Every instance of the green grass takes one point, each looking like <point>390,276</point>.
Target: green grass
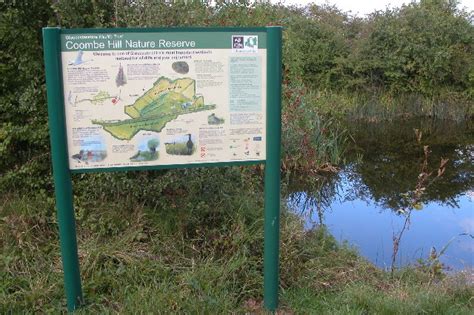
<point>199,257</point>
<point>179,148</point>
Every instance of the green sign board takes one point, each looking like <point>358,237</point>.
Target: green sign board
<point>136,99</point>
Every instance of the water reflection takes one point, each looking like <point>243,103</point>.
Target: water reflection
<point>363,203</point>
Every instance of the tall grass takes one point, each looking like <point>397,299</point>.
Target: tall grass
<point>137,258</point>
<point>384,106</point>
<point>311,141</point>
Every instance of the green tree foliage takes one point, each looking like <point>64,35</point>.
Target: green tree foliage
<point>316,46</point>
<point>153,144</point>
<point>24,150</point>
<point>422,48</point>
<point>71,14</point>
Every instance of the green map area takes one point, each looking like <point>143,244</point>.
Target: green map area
<point>164,102</point>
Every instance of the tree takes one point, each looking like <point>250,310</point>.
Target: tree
<point>153,144</point>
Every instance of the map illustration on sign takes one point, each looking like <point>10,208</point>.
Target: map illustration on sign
<point>165,101</point>
<point>99,98</point>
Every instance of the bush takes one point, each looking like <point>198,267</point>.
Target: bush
<point>423,50</point>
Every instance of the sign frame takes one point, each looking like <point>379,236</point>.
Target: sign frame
<point>62,173</point>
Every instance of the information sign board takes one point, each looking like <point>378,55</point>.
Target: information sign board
<point>164,98</point>
<point>140,99</point>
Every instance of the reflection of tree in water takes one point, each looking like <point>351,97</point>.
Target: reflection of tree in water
<point>392,159</point>
<point>312,194</point>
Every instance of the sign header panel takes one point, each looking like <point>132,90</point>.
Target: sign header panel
<point>141,99</point>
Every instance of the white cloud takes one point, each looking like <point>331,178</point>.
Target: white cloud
<point>363,7</point>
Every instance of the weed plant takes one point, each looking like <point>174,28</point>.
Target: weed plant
<point>311,141</point>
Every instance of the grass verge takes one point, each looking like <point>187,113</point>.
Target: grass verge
<point>199,257</point>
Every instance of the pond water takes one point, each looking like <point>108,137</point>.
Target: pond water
<point>375,195</point>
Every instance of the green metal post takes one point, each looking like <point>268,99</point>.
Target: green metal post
<point>61,173</point>
<point>272,170</point>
